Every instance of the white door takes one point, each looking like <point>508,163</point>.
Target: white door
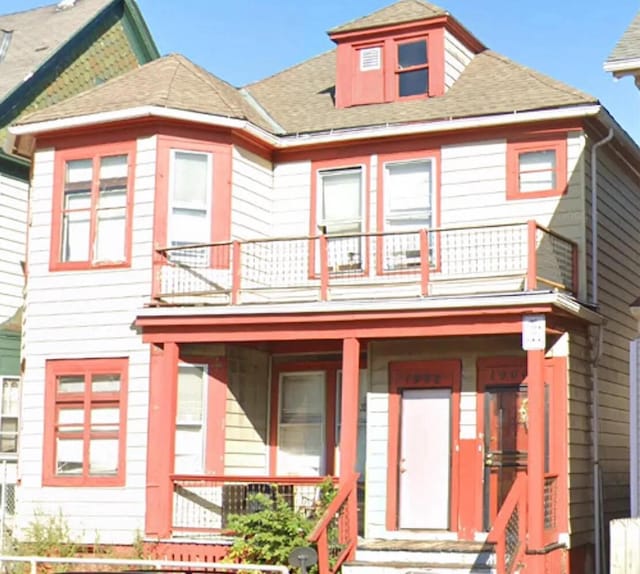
<point>425,459</point>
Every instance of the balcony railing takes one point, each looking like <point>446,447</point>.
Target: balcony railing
<point>203,504</point>
<point>444,261</point>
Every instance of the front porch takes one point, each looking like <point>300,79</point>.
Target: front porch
<point>444,418</point>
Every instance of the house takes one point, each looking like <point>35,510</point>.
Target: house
<point>404,263</point>
<point>46,55</point>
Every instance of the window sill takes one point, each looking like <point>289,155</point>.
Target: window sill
<point>513,194</point>
<point>85,266</point>
<point>83,481</point>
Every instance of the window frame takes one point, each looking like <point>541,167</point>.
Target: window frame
<point>3,380</point>
<point>86,368</point>
<point>398,71</point>
<point>516,147</point>
<point>94,153</point>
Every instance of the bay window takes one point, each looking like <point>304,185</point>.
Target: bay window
<point>85,421</point>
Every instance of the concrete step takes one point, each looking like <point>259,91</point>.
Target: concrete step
<point>358,567</point>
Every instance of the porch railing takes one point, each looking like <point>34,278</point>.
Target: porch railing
<point>203,504</point>
<point>442,261</point>
<point>509,529</point>
<point>336,534</point>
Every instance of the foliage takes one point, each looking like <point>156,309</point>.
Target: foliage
<point>47,535</point>
<point>268,535</point>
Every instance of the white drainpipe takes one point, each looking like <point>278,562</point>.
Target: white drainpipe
<point>595,358</point>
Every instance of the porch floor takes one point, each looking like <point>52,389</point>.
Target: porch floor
<point>425,545</point>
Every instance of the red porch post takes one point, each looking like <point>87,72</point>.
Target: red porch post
<point>349,412</point>
<point>535,466</point>
<point>162,397</point>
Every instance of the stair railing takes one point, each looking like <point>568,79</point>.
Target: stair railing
<point>336,534</point>
<point>509,531</point>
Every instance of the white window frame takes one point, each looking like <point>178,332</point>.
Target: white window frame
<point>321,223</point>
<point>203,423</point>
<point>200,257</point>
<point>411,258</point>
<point>323,431</point>
<point>3,381</point>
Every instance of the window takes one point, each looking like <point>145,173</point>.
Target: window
<point>92,218</point>
<point>409,200</point>
<point>9,415</point>
<point>190,419</point>
<point>536,168</point>
<point>412,68</point>
<point>340,212</point>
<point>85,422</point>
<point>301,431</point>
<point>190,204</point>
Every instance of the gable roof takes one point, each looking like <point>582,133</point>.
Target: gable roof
<point>169,82</point>
<point>628,47</point>
<point>37,35</point>
<point>398,13</point>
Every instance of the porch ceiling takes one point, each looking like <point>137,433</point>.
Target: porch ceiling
<point>429,317</point>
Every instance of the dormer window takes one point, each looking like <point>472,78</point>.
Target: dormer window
<point>412,68</point>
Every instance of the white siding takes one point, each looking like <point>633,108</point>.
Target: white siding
<point>87,314</point>
<point>456,58</point>
<point>291,199</point>
<point>13,231</point>
<point>252,183</point>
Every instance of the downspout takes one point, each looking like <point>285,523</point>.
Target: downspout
<point>596,353</point>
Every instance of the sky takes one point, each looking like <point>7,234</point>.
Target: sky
<point>242,41</point>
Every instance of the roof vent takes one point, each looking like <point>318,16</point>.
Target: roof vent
<point>5,40</point>
<point>66,4</point>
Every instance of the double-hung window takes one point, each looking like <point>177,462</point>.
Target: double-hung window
<point>409,199</point>
<point>85,422</point>
<point>412,68</point>
<point>341,213</point>
<point>9,415</point>
<point>92,217</point>
<point>190,195</point>
<point>191,413</point>
<point>537,168</point>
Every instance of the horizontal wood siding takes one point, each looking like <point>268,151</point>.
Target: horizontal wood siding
<point>13,233</point>
<point>291,199</point>
<point>456,58</point>
<point>87,314</point>
<point>9,353</point>
<point>251,204</point>
<point>246,424</point>
<point>618,193</point>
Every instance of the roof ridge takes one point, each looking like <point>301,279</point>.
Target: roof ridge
<point>288,69</point>
<point>541,77</point>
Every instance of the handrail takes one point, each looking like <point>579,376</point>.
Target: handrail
<point>511,522</point>
<point>343,510</point>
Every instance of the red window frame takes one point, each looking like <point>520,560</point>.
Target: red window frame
<point>398,71</point>
<point>55,401</point>
<point>95,154</point>
<point>515,148</point>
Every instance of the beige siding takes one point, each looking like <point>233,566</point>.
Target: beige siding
<point>87,314</point>
<point>13,231</point>
<point>252,184</point>
<point>456,58</point>
<point>246,424</point>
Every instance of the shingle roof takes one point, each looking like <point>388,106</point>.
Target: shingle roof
<point>397,13</point>
<point>37,35</point>
<point>628,47</point>
<point>301,99</point>
<point>170,82</point>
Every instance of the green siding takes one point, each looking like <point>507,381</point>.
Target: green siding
<point>9,353</point>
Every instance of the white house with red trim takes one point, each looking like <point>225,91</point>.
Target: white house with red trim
<point>404,263</point>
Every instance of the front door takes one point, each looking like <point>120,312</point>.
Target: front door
<point>505,447</point>
<point>425,452</point>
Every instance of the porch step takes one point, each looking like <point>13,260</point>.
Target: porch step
<point>419,556</point>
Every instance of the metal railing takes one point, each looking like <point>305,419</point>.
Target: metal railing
<point>456,260</point>
<point>509,529</point>
<point>203,504</point>
<point>336,534</point>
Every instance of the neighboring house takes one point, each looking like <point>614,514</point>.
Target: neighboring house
<point>47,55</point>
<point>408,258</point>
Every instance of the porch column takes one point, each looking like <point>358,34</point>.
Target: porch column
<point>349,411</point>
<point>536,446</point>
<point>163,378</point>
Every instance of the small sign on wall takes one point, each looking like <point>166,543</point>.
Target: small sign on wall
<point>533,332</point>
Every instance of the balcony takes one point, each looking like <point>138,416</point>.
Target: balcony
<point>454,261</point>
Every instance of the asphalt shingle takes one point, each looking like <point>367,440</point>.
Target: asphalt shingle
<point>628,47</point>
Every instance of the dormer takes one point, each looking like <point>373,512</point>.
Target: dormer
<point>409,50</point>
